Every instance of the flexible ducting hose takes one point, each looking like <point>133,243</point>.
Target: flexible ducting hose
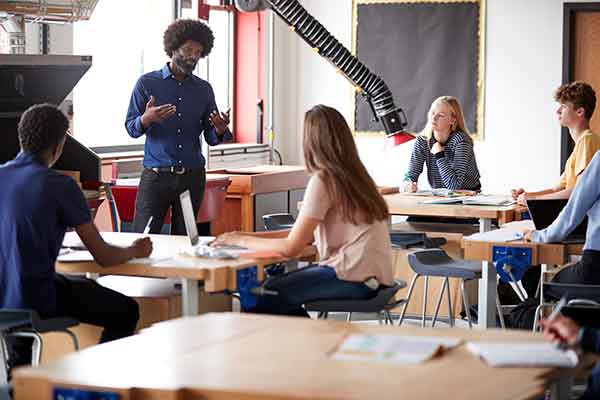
<point>375,90</point>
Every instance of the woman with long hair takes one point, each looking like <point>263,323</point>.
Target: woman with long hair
<point>342,212</point>
<point>446,147</point>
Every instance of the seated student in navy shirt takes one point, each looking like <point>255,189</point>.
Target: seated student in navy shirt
<point>37,205</point>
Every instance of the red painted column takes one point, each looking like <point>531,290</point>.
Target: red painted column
<point>250,73</point>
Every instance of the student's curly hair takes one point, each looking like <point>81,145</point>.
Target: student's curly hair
<point>580,94</point>
<point>183,30</point>
<point>41,127</point>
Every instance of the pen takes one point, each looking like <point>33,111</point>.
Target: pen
<point>559,306</point>
<point>147,228</point>
<point>518,236</point>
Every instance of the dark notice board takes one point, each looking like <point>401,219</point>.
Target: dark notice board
<point>422,50</point>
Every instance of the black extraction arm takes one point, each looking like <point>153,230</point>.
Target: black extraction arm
<point>375,90</point>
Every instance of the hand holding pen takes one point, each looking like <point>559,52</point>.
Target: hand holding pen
<point>560,329</point>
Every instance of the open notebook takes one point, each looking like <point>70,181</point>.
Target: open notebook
<point>391,348</point>
<point>479,200</point>
<point>507,354</point>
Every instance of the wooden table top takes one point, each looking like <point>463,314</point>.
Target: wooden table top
<point>409,204</point>
<point>541,253</point>
<point>243,356</point>
<point>167,262</point>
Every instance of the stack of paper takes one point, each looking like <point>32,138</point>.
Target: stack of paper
<point>543,354</point>
<point>391,348</point>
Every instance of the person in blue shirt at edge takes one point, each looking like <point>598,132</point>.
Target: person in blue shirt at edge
<point>446,148</point>
<point>565,331</point>
<point>37,206</point>
<point>172,108</point>
<point>584,200</point>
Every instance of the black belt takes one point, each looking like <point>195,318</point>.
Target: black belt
<point>171,170</point>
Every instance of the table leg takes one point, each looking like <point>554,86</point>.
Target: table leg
<point>190,296</point>
<point>487,287</point>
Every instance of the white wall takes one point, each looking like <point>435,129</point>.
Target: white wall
<point>523,67</point>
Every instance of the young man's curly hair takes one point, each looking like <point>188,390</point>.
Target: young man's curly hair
<point>183,30</point>
<point>580,94</point>
<point>41,127</point>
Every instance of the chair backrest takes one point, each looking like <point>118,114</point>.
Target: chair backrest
<point>414,239</point>
<point>215,194</point>
<point>277,222</point>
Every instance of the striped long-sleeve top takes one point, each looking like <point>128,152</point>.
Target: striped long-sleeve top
<point>454,168</point>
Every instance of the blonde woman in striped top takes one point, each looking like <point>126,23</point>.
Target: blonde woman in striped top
<point>446,147</point>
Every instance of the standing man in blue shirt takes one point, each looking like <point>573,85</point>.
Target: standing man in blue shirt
<point>37,205</point>
<point>173,107</point>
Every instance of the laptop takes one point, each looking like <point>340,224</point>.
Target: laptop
<point>189,219</point>
<point>544,212</point>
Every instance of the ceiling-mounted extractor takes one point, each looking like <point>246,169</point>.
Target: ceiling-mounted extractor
<point>50,10</point>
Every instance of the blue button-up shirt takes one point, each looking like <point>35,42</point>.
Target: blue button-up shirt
<point>174,141</point>
<point>584,200</point>
<point>37,205</point>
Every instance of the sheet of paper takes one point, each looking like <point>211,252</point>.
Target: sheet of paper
<point>497,235</point>
<point>127,182</point>
<point>391,348</point>
<point>444,200</point>
<point>509,354</point>
<point>67,255</point>
<point>489,200</point>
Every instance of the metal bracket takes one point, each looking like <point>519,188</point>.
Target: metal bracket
<point>517,258</point>
<point>79,394</point>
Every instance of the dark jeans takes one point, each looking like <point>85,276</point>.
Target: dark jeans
<point>90,303</point>
<point>593,385</point>
<point>307,284</point>
<point>160,190</point>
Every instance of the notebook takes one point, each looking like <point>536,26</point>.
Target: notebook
<point>478,200</point>
<point>530,354</point>
<point>391,348</point>
<point>544,212</point>
<point>489,200</point>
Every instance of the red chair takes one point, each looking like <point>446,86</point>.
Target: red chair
<point>215,193</point>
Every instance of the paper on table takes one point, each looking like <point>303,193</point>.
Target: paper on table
<point>391,348</point>
<point>72,240</point>
<point>489,200</point>
<point>444,200</point>
<point>75,256</point>
<point>497,235</point>
<point>523,354</point>
<point>127,182</point>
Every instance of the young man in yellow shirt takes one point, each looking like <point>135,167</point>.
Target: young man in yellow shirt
<point>577,103</point>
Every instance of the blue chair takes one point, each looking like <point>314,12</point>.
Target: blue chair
<point>436,263</point>
<point>27,323</point>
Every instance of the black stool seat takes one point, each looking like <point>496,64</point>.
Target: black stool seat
<point>572,291</point>
<point>434,262</point>
<point>405,240</point>
<point>29,319</point>
<point>381,301</point>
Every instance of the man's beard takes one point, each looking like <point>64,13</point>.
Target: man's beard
<point>186,65</point>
